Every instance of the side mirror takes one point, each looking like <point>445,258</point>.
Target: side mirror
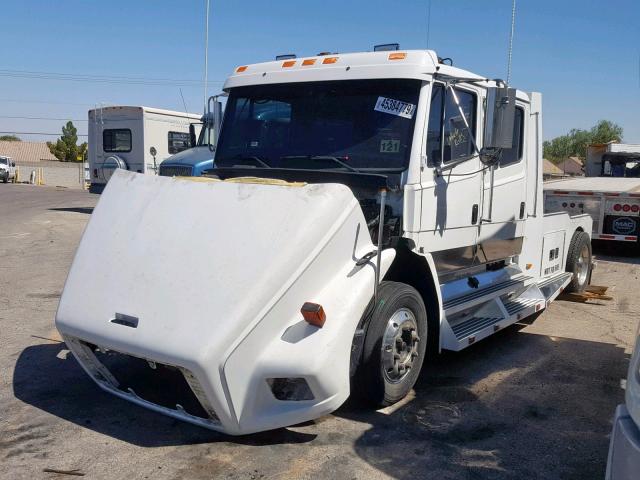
<point>192,135</point>
<point>214,120</point>
<point>13,164</point>
<point>499,118</point>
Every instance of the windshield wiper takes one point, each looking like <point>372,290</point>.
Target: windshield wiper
<point>322,157</point>
<point>242,158</point>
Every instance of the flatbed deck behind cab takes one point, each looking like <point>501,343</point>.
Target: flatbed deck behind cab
<point>367,210</point>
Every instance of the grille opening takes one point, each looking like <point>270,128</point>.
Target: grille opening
<point>163,385</point>
<point>175,171</point>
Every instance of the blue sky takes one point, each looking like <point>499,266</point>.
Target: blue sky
<point>584,56</point>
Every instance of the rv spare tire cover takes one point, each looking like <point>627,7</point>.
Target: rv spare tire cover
<point>110,164</point>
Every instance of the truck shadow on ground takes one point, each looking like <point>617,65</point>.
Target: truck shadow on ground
<point>49,378</point>
<point>514,406</point>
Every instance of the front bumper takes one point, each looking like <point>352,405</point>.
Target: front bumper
<point>197,398</point>
<point>623,462</point>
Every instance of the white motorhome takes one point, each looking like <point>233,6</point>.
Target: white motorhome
<point>610,192</point>
<point>134,138</point>
<point>365,209</point>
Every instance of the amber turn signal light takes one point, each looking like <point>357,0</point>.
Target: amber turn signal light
<point>313,314</point>
<point>241,69</point>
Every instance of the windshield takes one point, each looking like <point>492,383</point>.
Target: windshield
<point>364,125</point>
<point>4,161</point>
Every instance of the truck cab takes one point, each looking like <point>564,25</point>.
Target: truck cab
<point>364,209</point>
<point>7,169</point>
<point>194,161</point>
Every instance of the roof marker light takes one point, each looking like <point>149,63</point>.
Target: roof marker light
<point>308,61</point>
<point>329,60</point>
<point>241,69</point>
<point>288,63</point>
<point>397,56</point>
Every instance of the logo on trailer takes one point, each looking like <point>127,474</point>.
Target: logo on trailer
<point>624,226</point>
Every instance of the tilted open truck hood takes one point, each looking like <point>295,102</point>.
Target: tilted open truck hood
<point>210,276</point>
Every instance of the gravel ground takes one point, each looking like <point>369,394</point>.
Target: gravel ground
<point>533,401</point>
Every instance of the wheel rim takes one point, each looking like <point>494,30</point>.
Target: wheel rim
<point>399,345</point>
<point>582,265</point>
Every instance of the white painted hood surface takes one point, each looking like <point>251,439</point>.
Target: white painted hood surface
<point>200,264</point>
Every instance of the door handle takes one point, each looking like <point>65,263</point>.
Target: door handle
<point>474,214</point>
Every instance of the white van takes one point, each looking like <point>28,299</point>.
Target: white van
<point>134,138</point>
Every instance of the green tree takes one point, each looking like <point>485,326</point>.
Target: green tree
<point>66,149</point>
<point>606,131</point>
<point>10,138</point>
<point>575,143</point>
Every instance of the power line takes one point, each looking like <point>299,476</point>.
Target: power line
<point>12,100</point>
<point>45,118</point>
<point>41,133</point>
<point>109,79</point>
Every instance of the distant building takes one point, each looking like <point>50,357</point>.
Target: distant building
<point>549,170</point>
<point>571,166</point>
<point>26,152</point>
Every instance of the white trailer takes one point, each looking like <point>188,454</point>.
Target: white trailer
<point>610,192</point>
<point>365,209</point>
<point>134,138</point>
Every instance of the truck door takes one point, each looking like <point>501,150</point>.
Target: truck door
<point>451,180</point>
<point>504,212</point>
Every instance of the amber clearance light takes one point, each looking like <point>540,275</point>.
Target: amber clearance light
<point>397,56</point>
<point>313,314</point>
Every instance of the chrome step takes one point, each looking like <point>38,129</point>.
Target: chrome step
<point>546,281</point>
<point>519,304</point>
<point>491,291</point>
<point>552,286</point>
<point>473,326</point>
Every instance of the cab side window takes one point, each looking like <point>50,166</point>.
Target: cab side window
<point>514,154</point>
<point>455,142</point>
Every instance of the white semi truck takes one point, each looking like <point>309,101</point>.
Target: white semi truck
<point>365,209</point>
<point>136,139</point>
<point>610,192</point>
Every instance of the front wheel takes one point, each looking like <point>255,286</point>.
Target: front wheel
<point>6,178</point>
<point>394,345</point>
<point>579,262</point>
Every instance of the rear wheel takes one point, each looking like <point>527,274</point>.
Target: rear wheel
<point>394,345</point>
<point>579,262</point>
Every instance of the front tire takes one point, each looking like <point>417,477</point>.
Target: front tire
<point>579,262</point>
<point>394,346</point>
<point>6,178</point>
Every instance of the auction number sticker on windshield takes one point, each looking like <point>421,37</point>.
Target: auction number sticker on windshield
<point>395,107</point>
<point>389,146</point>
